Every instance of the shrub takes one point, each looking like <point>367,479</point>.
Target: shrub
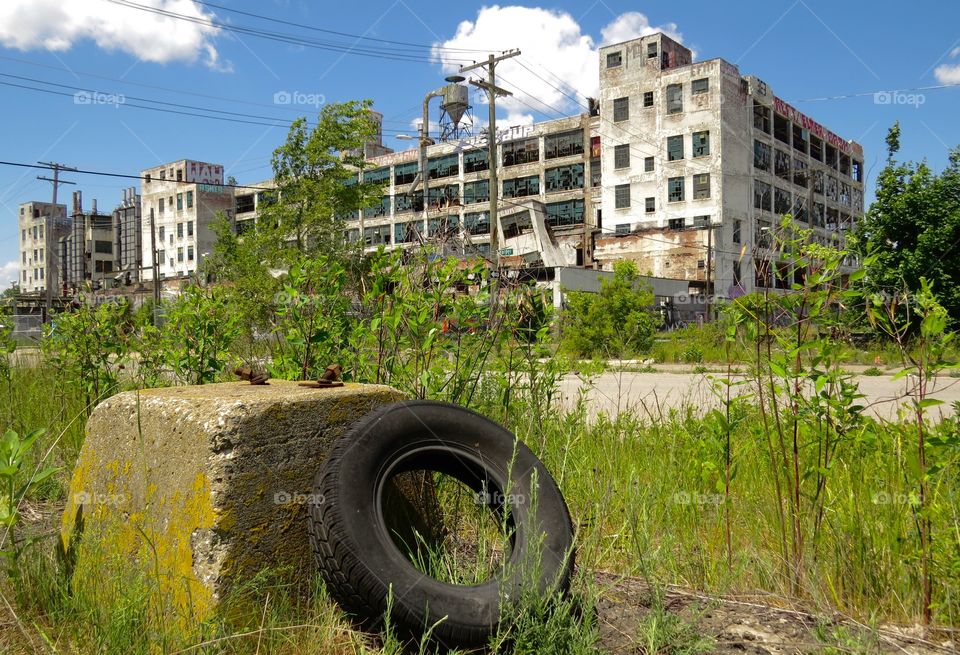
<point>615,322</point>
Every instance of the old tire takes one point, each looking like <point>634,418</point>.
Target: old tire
<point>358,558</point>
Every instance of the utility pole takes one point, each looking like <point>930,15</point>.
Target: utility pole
<point>707,317</point>
<point>490,86</point>
<point>48,234</point>
<point>155,266</point>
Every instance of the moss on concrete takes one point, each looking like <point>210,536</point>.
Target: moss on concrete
<point>205,485</point>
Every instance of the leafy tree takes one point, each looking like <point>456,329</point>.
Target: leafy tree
<point>912,230</point>
<point>615,322</point>
<point>202,325</point>
<point>314,172</point>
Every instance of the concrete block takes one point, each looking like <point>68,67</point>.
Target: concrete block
<point>206,485</point>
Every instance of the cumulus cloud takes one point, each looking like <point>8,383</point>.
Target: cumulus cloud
<point>9,271</point>
<point>559,61</point>
<point>58,25</point>
<point>949,73</point>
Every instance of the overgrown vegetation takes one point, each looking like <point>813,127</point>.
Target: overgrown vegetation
<point>789,484</point>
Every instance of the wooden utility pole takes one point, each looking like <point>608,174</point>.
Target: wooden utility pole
<point>707,316</point>
<point>155,265</point>
<point>490,86</point>
<point>48,234</point>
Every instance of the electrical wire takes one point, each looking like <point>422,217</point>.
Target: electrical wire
<point>383,53</point>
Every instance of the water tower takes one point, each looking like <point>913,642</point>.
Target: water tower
<point>456,121</point>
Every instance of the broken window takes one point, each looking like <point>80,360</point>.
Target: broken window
<point>818,181</point>
<point>377,176</point>
<point>800,172</point>
<point>516,224</point>
<point>595,172</point>
<point>564,178</point>
<point>443,166</point>
<point>833,218</point>
<point>844,165</point>
<point>799,210</point>
<point>674,147</point>
<point>652,50</point>
<point>477,222</point>
<point>522,151</point>
<point>381,209</point>
<point>648,164</point>
<point>675,189</point>
<point>831,187</point>
<point>568,212</point>
<point>817,214</point>
<point>781,201</point>
<point>404,173</point>
<point>781,165</point>
<point>442,225</point>
<point>700,86</point>
<point>563,144</point>
<point>701,186</point>
<point>621,196</point>
<point>845,198</point>
<point>621,228</point>
<point>621,109</point>
<point>478,191</point>
<point>621,156</point>
<point>244,203</point>
<point>647,99</point>
<point>519,187</point>
<point>801,137</point>
<point>762,268</point>
<point>675,223</point>
<point>831,156</point>
<point>761,156</point>
<point>374,236</point>
<point>781,128</point>
<point>761,117</point>
<point>736,231</point>
<point>406,202</point>
<point>674,98</point>
<point>189,199</point>
<point>650,205</point>
<point>857,171</point>
<point>701,221</point>
<point>701,144</point>
<point>762,195</point>
<point>816,148</point>
<point>614,59</point>
<point>475,160</point>
<point>858,200</point>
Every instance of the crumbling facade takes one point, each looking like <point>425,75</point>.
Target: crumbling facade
<point>179,202</point>
<point>41,224</point>
<point>699,163</point>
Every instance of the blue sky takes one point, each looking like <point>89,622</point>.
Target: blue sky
<point>826,58</point>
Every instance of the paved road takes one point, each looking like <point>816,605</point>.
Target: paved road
<point>653,394</point>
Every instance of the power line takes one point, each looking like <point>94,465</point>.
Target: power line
<point>932,87</point>
<point>334,32</point>
<point>229,115</point>
<point>164,88</point>
<point>385,53</point>
<point>123,175</point>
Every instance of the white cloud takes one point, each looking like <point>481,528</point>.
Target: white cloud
<point>9,271</point>
<point>58,25</point>
<point>949,73</point>
<point>563,60</point>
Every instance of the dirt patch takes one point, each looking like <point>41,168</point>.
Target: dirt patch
<point>628,606</point>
